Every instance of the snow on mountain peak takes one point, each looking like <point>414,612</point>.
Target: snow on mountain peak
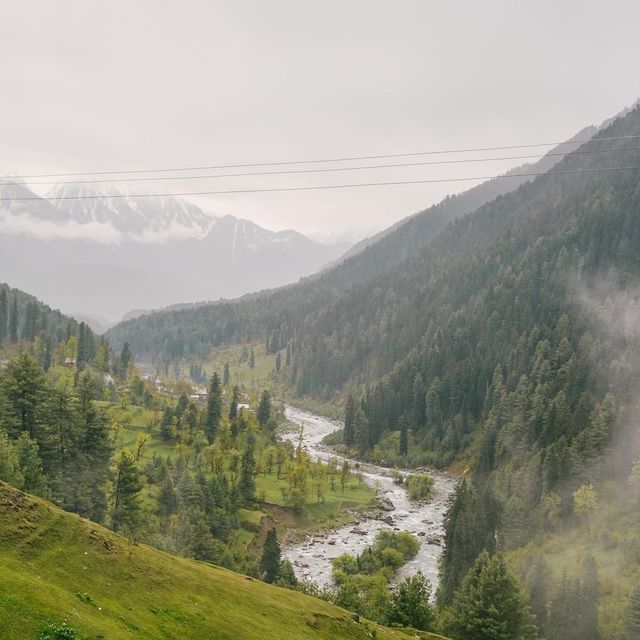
<point>142,219</point>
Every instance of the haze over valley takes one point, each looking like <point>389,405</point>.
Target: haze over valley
<point>320,321</point>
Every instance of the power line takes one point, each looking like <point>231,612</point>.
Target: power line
<point>324,160</point>
<point>334,186</point>
<point>327,169</point>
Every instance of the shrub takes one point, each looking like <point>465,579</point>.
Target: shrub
<point>420,487</point>
<point>59,632</point>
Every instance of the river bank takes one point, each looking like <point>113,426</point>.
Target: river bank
<point>312,558</point>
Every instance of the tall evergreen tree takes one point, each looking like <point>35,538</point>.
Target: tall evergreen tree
<point>349,421</point>
<point>96,448</point>
<point>403,448</point>
<point>410,604</point>
<point>35,480</point>
<point>226,374</point>
<point>235,399</point>
<point>247,483</point>
<point>490,605</point>
<point>264,408</point>
<point>125,359</point>
<point>470,526</point>
<point>23,385</point>
<point>166,424</point>
<point>271,557</point>
<point>214,408</point>
<point>126,494</point>
<point>417,402</point>
<point>13,319</point>
<point>81,357</point>
<point>4,315</point>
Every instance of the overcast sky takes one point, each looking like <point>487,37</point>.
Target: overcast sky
<point>93,85</point>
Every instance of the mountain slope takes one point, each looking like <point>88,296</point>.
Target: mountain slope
<point>40,316</point>
<point>289,307</point>
<point>58,567</point>
<point>104,256</point>
<point>143,219</point>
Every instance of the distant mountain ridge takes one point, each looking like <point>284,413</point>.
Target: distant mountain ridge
<point>105,256</point>
<point>367,261</point>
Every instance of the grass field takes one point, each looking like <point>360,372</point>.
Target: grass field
<point>335,510</point>
<point>57,567</point>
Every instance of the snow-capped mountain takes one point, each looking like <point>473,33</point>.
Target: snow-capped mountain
<point>149,219</point>
<point>105,256</point>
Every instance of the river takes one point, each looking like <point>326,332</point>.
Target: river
<point>312,558</point>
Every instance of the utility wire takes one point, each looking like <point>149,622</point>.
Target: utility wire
<point>334,186</point>
<point>320,161</point>
<point>325,169</point>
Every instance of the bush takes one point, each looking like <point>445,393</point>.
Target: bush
<point>404,542</point>
<point>392,558</point>
<point>59,632</point>
<point>420,487</point>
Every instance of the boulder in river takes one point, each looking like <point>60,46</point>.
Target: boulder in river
<point>358,532</point>
<point>384,504</point>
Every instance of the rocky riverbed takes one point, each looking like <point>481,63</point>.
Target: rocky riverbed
<point>312,558</point>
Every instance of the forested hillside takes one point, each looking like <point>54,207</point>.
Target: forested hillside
<point>172,334</point>
<point>509,342</point>
<point>24,318</point>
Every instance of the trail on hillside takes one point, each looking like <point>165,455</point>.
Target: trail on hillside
<point>312,558</point>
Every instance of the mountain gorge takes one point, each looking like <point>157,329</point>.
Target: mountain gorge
<point>508,344</point>
<point>159,251</point>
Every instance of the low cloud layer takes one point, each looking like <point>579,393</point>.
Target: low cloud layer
<point>27,225</point>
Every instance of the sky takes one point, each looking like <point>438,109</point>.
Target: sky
<point>100,86</point>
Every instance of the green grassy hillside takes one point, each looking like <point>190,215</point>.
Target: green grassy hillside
<point>57,567</point>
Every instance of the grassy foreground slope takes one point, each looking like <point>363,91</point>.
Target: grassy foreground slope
<point>55,567</point>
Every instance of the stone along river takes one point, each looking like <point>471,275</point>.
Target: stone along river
<point>312,558</point>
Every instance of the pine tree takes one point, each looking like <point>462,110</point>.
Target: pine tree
<point>23,386</point>
<point>226,375</point>
<point>30,322</point>
<point>126,492</point>
<point>490,605</point>
<point>247,483</point>
<point>81,357</point>
<point>4,315</point>
<point>410,606</point>
<point>214,408</point>
<point>166,424</point>
<point>96,448</point>
<point>13,319</point>
<point>349,421</point>
<point>10,462</point>
<point>35,480</point>
<point>403,449</point>
<point>125,359</point>
<point>264,408</point>
<point>271,558</point>
<point>470,527</point>
<point>46,353</point>
<point>235,399</point>
<point>417,402</point>
<point>278,362</point>
<point>252,359</point>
